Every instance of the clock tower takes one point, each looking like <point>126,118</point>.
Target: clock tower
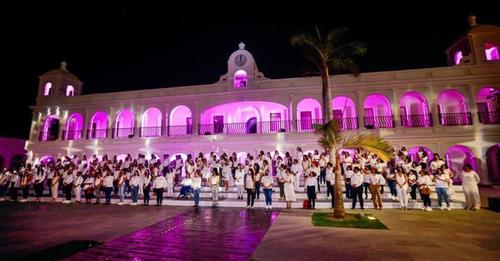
<point>242,70</point>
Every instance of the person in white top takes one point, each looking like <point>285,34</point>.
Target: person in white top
<point>169,178</point>
<point>159,184</point>
<point>402,188</point>
<point>424,182</point>
<point>77,187</point>
<point>297,172</point>
<point>412,182</point>
<point>311,184</point>
<point>88,187</point>
<point>330,180</point>
<point>249,180</point>
<point>196,187</point>
<point>4,183</point>
<point>267,183</point>
<point>238,180</point>
<point>376,181</point>
<point>135,182</point>
<point>442,180</point>
<point>120,183</point>
<point>470,179</point>
<point>348,175</point>
<point>146,186</point>
<point>280,179</point>
<point>226,173</point>
<point>289,188</point>
<point>67,185</point>
<point>436,163</point>
<point>39,178</point>
<point>108,186</point>
<point>357,188</point>
<point>213,181</point>
<point>450,174</point>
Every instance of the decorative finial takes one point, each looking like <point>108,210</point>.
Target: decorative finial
<point>63,65</point>
<point>472,20</point>
<point>242,46</point>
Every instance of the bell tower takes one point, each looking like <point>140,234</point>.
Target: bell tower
<point>59,82</point>
<point>242,72</point>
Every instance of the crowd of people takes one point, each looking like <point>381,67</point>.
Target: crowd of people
<point>362,173</point>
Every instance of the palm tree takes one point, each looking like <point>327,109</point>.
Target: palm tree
<point>332,139</point>
<point>331,53</point>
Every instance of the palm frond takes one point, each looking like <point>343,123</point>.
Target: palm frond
<point>370,143</point>
<point>330,135</point>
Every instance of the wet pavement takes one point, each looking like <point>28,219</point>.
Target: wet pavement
<point>199,234</point>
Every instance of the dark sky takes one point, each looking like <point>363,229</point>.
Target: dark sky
<point>128,47</point>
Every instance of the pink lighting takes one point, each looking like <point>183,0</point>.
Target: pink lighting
<point>47,89</point>
<point>308,113</point>
<point>487,106</point>
<point>378,112</point>
<point>70,90</point>
<point>74,127</point>
<point>452,107</point>
<point>491,51</point>
<point>98,125</point>
<point>181,118</point>
<point>457,156</point>
<point>50,128</point>
<point>124,124</point>
<point>414,110</point>
<point>151,122</point>
<point>240,79</point>
<point>414,153</point>
<point>458,57</point>
<point>344,108</point>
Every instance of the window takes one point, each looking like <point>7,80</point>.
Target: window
<point>275,121</point>
<point>458,57</point>
<point>491,51</point>
<point>218,124</point>
<point>47,89</point>
<point>240,79</point>
<point>70,90</point>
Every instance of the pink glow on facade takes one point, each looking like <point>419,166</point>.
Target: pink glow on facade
<point>241,157</point>
<point>378,111</point>
<point>124,124</point>
<point>491,51</point>
<point>452,101</point>
<point>413,153</point>
<point>414,110</point>
<point>240,112</point>
<point>98,125</point>
<point>240,79</point>
<point>47,89</point>
<point>458,57</point>
<point>74,127</point>
<point>49,127</point>
<point>457,156</point>
<point>344,107</point>
<point>151,122</point>
<point>179,116</point>
<point>70,90</point>
<point>483,97</point>
<point>308,113</point>
<point>47,159</point>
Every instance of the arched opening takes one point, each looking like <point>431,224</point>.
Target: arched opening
<point>98,128</point>
<point>47,159</point>
<point>70,90</point>
<point>47,90</point>
<point>240,79</point>
<point>241,157</point>
<point>244,117</point>
<point>16,161</point>
<point>493,163</point>
<point>344,111</point>
<point>417,156</point>
<point>151,123</point>
<point>488,106</point>
<point>74,127</point>
<point>491,52</point>
<point>50,129</point>
<point>414,111</point>
<point>181,121</point>
<point>457,57</point>
<point>378,112</point>
<point>452,108</point>
<point>457,156</point>
<point>308,113</point>
<point>124,124</point>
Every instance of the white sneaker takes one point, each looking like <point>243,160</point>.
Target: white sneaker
<point>120,204</point>
<point>448,208</point>
<point>441,208</point>
<point>23,200</point>
<point>248,206</point>
<point>428,209</point>
<point>270,207</point>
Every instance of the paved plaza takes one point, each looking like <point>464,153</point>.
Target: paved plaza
<point>185,233</point>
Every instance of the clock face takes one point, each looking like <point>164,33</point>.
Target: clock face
<point>240,59</point>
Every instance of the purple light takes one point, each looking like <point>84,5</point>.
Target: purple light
<point>344,106</point>
<point>240,79</point>
<point>47,89</point>
<point>99,122</point>
<point>74,127</point>
<point>70,90</point>
<point>491,52</point>
<point>46,126</point>
<point>483,97</point>
<point>414,103</point>
<point>452,101</point>
<point>309,105</point>
<point>457,156</point>
<point>236,112</point>
<point>179,116</point>
<point>458,57</point>
<point>124,123</point>
<point>151,119</point>
<point>413,153</point>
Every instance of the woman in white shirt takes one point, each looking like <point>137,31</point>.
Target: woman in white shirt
<point>77,187</point>
<point>250,187</point>
<point>88,187</point>
<point>169,179</point>
<point>196,187</point>
<point>357,188</point>
<point>121,179</point>
<point>348,175</point>
<point>311,184</point>
<point>402,188</point>
<point>297,172</point>
<point>442,181</point>
<point>159,185</point>
<point>376,181</point>
<point>412,182</point>
<point>424,183</point>
<point>39,178</point>
<point>289,179</point>
<point>238,180</point>
<point>213,181</point>
<point>267,183</point>
<point>135,181</point>
<point>108,186</point>
<point>146,186</point>
<point>54,186</point>
<point>470,179</point>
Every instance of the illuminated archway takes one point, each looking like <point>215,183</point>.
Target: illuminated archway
<point>74,127</point>
<point>124,124</point>
<point>151,123</point>
<point>452,108</point>
<point>378,112</point>
<point>98,127</point>
<point>308,113</point>
<point>414,110</point>
<point>180,121</point>
<point>344,110</point>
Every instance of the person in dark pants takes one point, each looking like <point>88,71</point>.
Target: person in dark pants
<point>146,186</point>
<point>250,187</point>
<point>108,186</point>
<point>330,181</point>
<point>280,178</point>
<point>14,183</point>
<point>159,184</point>
<point>311,184</point>
<point>348,175</point>
<point>357,188</point>
<point>67,185</point>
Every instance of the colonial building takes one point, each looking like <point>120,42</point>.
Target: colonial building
<point>452,110</point>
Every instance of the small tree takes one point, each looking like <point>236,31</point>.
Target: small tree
<point>332,139</point>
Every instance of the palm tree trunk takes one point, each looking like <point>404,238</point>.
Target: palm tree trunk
<point>338,206</point>
<point>326,95</point>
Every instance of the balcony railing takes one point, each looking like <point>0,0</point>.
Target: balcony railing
<point>244,128</point>
<point>348,123</point>
<point>416,120</point>
<point>72,134</point>
<point>379,122</point>
<point>123,133</point>
<point>454,119</point>
<point>97,134</point>
<point>180,130</point>
<point>47,136</point>
<point>489,117</point>
<point>150,131</point>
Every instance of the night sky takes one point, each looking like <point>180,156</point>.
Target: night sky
<point>128,47</point>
